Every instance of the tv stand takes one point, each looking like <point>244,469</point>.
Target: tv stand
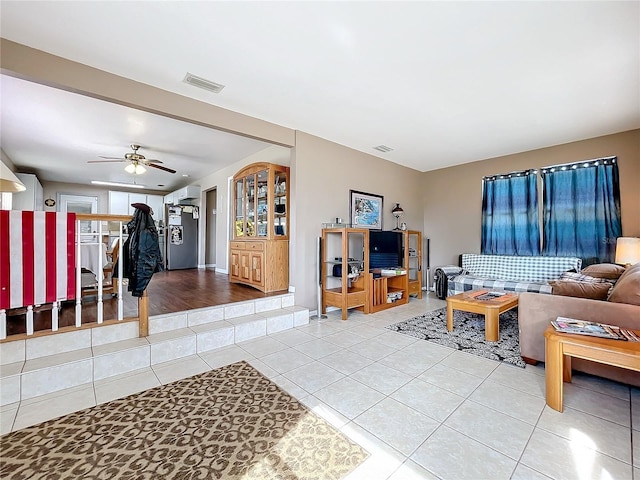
<point>347,281</point>
<point>387,291</point>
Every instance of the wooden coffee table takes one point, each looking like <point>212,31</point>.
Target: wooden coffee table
<point>560,347</point>
<point>491,309</point>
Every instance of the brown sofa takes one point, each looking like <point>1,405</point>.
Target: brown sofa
<point>535,311</point>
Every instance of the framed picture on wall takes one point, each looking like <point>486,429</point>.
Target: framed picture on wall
<point>365,210</point>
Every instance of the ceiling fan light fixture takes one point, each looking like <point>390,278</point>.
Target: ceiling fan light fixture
<point>135,168</point>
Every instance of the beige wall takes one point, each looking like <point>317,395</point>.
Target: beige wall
<point>323,174</point>
<point>453,196</point>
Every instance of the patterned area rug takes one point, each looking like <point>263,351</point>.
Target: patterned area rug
<point>467,334</point>
<point>228,423</point>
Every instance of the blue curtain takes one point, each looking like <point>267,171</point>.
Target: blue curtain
<point>582,210</point>
<point>510,214</point>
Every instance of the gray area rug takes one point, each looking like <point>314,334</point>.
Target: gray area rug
<point>467,334</point>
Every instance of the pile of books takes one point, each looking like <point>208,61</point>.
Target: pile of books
<point>392,272</point>
<point>582,327</point>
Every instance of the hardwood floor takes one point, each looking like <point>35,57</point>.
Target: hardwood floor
<point>168,291</point>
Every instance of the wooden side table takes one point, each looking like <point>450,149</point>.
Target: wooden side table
<point>560,347</point>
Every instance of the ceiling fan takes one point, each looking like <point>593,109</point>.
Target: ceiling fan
<point>137,162</point>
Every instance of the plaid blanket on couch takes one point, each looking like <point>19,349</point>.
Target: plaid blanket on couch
<point>508,272</point>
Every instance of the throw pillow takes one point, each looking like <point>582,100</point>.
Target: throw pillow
<point>627,289</point>
<point>629,270</point>
<point>610,271</point>
<point>579,277</point>
<point>594,291</point>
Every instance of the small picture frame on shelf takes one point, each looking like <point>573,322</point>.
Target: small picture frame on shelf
<point>365,210</point>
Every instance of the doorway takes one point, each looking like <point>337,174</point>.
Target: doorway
<point>80,204</point>
<point>211,207</point>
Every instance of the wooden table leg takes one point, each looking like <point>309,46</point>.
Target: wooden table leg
<point>491,325</point>
<point>449,316</point>
<point>566,368</point>
<point>554,366</point>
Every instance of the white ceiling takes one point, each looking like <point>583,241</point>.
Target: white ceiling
<point>442,83</point>
<point>55,133</point>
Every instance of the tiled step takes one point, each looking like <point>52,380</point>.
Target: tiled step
<point>41,365</point>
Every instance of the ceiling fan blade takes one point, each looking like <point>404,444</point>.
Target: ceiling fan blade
<point>152,160</point>
<point>113,158</point>
<point>160,167</point>
<point>106,161</point>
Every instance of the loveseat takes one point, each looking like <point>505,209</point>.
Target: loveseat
<point>507,272</point>
<point>621,307</point>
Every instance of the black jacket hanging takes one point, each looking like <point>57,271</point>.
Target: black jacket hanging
<point>141,250</point>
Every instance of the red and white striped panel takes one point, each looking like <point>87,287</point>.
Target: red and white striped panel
<point>37,257</point>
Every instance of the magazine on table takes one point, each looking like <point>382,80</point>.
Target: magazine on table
<point>582,327</point>
<point>489,295</point>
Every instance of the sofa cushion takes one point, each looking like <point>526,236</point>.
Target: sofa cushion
<point>627,289</point>
<point>594,291</point>
<point>610,271</point>
<point>581,278</point>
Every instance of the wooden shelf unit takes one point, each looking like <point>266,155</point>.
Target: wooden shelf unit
<point>342,291</point>
<point>413,261</point>
<point>381,287</point>
<point>364,292</point>
<point>259,252</point>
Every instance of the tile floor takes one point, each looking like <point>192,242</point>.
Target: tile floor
<point>423,411</point>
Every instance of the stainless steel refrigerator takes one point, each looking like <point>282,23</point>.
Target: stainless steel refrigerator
<point>181,240</point>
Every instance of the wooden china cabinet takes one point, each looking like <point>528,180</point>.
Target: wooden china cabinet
<point>259,251</point>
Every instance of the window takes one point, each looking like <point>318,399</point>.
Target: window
<point>581,216</point>
<point>510,214</point>
<point>582,210</point>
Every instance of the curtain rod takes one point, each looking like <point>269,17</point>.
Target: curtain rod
<point>528,171</point>
<point>578,162</point>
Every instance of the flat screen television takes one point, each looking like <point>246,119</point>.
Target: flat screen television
<point>385,249</point>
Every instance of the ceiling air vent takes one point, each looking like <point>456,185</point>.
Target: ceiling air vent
<point>383,148</point>
<point>202,83</point>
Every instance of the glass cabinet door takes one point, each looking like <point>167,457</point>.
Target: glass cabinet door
<point>239,213</point>
<point>280,205</point>
<point>250,205</point>
<point>262,204</point>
